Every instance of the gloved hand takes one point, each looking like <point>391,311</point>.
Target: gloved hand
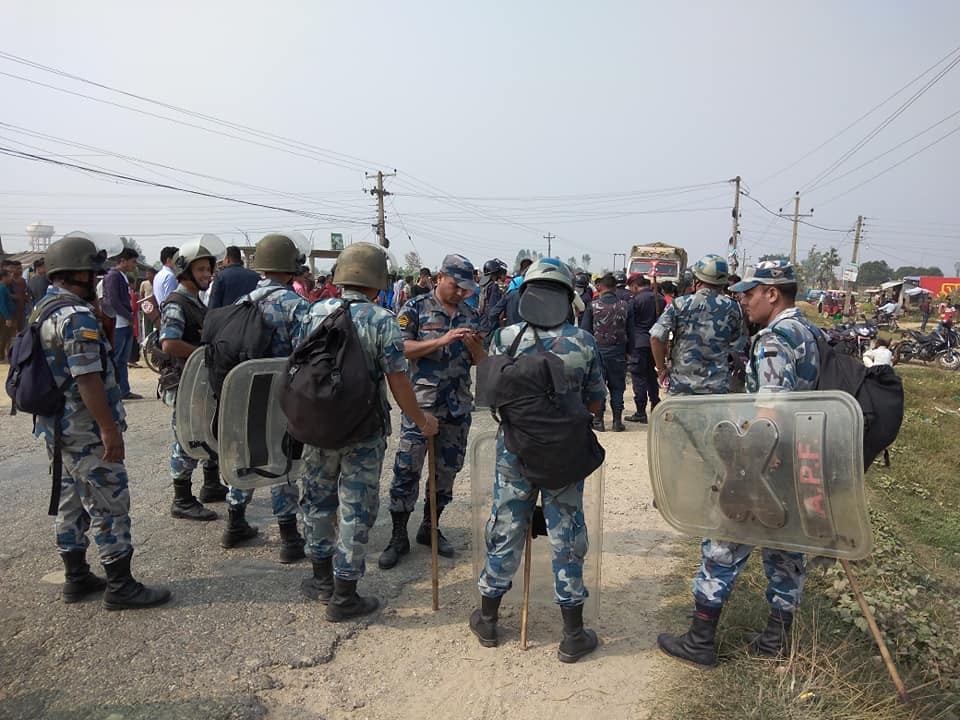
<point>538,523</point>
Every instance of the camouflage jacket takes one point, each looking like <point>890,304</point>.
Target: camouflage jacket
<point>282,311</point>
<point>707,329</point>
<point>173,326</point>
<point>379,336</point>
<point>784,355</point>
<point>74,345</point>
<point>575,347</point>
<point>441,380</point>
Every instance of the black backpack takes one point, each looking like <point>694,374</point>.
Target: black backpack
<point>327,393</point>
<point>32,387</point>
<point>544,422</point>
<point>877,389</point>
<point>233,334</point>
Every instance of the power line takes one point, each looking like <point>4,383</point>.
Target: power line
<point>802,222</point>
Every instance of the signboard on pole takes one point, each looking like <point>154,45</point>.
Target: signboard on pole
<point>336,241</point>
<point>850,272</point>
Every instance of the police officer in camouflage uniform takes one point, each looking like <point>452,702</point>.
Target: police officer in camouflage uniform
<point>279,260</point>
<point>706,328</point>
<point>442,342</point>
<point>783,358</point>
<point>94,486</point>
<point>181,322</point>
<point>545,298</point>
<point>341,488</point>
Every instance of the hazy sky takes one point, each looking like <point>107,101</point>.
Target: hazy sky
<point>504,121</point>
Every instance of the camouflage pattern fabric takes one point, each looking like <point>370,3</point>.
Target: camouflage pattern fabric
<point>784,355</point>
<point>92,492</point>
<point>181,464</point>
<point>441,380</point>
<point>451,448</point>
<point>173,327</point>
<point>514,497</point>
<point>284,312</point>
<point>74,345</point>
<point>723,561</point>
<point>707,328</point>
<point>341,498</point>
<point>341,488</point>
<point>506,532</point>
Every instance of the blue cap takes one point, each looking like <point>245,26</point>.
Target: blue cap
<point>769,272</point>
<point>461,270</point>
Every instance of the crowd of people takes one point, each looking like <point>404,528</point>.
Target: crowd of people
<point>420,338</point>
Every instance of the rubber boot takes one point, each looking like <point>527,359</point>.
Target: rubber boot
<point>598,422</point>
<point>577,640</point>
<point>212,490</point>
<point>774,641</point>
<point>618,425</point>
<point>291,542</point>
<point>346,604</point>
<point>238,530</point>
<point>125,593</point>
<point>185,505</point>
<point>319,586</point>
<point>697,645</point>
<point>483,621</point>
<point>444,548</point>
<point>80,582</point>
<point>399,542</point>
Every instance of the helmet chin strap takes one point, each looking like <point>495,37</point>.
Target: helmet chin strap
<point>89,287</point>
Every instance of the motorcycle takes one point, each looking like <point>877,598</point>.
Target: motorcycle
<point>852,340</point>
<point>941,346</point>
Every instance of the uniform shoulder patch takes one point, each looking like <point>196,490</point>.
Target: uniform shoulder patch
<point>403,321</point>
<point>88,334</point>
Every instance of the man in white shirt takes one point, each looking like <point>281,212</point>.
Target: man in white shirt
<point>879,355</point>
<point>166,281</point>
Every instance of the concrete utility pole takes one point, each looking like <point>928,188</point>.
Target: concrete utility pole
<point>735,234</point>
<point>796,225</point>
<point>856,250</point>
<point>381,226</point>
<point>549,237</point>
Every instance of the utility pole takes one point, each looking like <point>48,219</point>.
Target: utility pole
<point>381,226</point>
<point>735,234</point>
<point>856,250</point>
<point>796,225</point>
<point>624,256</point>
<point>549,237</point>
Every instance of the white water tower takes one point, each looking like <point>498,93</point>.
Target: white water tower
<point>40,236</point>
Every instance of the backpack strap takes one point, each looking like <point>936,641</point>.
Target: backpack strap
<point>512,350</point>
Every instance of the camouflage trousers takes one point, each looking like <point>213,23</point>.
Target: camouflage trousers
<point>341,498</point>
<point>284,499</point>
<point>451,448</point>
<point>721,564</point>
<point>506,533</point>
<point>93,493</point>
<point>181,464</point>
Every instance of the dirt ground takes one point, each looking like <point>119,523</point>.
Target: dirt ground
<point>238,640</point>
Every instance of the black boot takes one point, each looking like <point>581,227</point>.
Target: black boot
<point>618,421</point>
<point>640,416</point>
<point>185,505</point>
<point>80,582</point>
<point>598,422</point>
<point>483,621</point>
<point>125,593</point>
<point>399,542</point>
<point>444,548</point>
<point>577,640</point>
<point>320,586</point>
<point>774,641</point>
<point>212,490</point>
<point>346,604</point>
<point>697,645</point>
<point>238,529</point>
<point>291,542</point>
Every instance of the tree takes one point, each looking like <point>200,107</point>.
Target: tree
<point>774,257</point>
<point>817,271</point>
<point>572,261</point>
<point>129,242</point>
<point>914,270</point>
<point>585,259</point>
<point>412,261</point>
<point>956,266</point>
<point>874,272</point>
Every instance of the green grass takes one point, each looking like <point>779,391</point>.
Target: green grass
<point>911,582</point>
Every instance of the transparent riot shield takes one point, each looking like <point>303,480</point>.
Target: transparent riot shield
<point>255,450</point>
<point>196,410</point>
<point>483,459</point>
<point>781,470</point>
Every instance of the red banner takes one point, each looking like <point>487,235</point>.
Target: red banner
<point>940,285</point>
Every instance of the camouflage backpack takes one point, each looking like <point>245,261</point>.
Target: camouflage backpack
<point>609,322</point>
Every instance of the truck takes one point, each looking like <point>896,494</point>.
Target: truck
<point>667,262</point>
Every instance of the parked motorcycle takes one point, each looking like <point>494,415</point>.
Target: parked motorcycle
<point>852,340</point>
<point>941,346</point>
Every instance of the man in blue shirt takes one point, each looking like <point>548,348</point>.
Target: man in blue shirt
<point>233,281</point>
